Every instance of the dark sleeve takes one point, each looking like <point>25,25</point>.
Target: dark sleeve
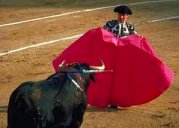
<point>109,25</point>
<point>131,29</point>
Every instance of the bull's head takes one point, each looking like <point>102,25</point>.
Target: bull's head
<point>90,69</point>
<point>86,71</point>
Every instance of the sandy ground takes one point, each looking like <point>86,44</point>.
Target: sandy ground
<point>35,64</point>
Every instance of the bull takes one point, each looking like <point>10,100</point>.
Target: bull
<point>56,102</point>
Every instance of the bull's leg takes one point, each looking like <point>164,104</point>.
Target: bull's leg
<point>18,116</point>
<point>11,110</point>
<point>78,116</point>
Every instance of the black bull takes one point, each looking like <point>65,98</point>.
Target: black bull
<point>51,103</point>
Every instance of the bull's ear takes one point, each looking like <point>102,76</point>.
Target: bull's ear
<point>92,78</point>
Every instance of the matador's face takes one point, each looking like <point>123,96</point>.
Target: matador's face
<point>122,17</point>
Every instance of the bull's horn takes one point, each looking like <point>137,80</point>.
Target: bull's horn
<point>102,67</point>
<point>60,65</point>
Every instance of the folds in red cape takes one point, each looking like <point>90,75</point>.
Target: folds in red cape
<point>138,76</point>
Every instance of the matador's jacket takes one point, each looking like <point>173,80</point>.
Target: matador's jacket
<point>120,29</point>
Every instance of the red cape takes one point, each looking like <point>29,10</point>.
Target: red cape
<point>138,76</point>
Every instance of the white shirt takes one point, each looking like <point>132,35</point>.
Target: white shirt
<point>125,29</point>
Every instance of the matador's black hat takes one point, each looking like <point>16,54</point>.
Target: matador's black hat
<point>123,9</point>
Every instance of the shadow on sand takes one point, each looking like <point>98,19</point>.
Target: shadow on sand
<point>108,109</point>
<point>3,109</point>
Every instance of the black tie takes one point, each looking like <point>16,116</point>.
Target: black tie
<point>121,29</point>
